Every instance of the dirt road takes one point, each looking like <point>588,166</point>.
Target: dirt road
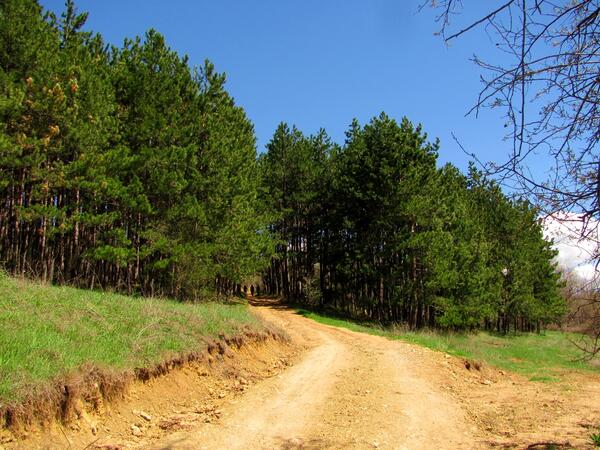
<point>335,389</point>
<point>349,390</point>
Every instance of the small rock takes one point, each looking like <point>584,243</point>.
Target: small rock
<point>145,416</point>
<point>169,424</point>
<point>375,444</point>
<point>222,394</point>
<point>135,430</point>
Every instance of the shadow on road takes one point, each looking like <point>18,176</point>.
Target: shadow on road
<point>271,302</point>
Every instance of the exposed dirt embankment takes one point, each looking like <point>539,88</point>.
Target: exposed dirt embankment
<point>329,388</point>
<point>100,409</point>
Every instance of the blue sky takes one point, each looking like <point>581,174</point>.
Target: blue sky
<point>321,63</point>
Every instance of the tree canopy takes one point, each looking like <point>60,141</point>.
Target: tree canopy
<point>121,167</point>
<point>375,230</point>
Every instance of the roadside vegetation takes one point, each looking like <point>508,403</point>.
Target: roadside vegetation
<point>540,357</point>
<point>595,439</point>
<point>47,332</point>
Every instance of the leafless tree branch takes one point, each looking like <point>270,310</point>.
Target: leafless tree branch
<point>550,92</point>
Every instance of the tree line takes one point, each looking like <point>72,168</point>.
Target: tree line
<point>373,229</point>
<point>126,168</point>
<point>121,168</point>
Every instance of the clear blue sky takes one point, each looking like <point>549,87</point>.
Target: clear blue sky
<point>321,63</point>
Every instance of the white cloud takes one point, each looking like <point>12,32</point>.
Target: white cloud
<point>586,271</point>
<point>575,252</point>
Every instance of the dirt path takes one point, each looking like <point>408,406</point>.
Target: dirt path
<point>350,390</point>
<point>335,389</point>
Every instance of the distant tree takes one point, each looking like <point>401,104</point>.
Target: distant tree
<point>293,171</point>
<point>228,185</point>
<point>381,171</point>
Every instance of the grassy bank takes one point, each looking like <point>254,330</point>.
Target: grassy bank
<point>47,332</point>
<point>541,357</point>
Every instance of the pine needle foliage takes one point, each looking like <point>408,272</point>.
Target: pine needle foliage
<point>122,168</point>
<point>384,234</point>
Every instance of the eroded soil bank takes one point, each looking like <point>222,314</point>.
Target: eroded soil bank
<point>333,388</point>
<point>154,402</point>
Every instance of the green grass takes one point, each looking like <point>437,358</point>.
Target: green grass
<point>47,332</point>
<point>541,357</point>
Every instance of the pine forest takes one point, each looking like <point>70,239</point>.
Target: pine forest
<point>127,169</point>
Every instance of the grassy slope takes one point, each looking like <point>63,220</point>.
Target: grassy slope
<point>46,331</point>
<point>541,357</point>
